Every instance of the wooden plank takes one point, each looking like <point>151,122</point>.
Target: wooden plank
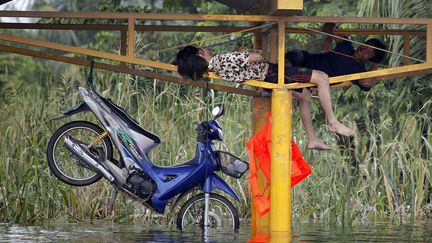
<point>131,37</point>
<point>281,52</point>
<point>116,68</point>
<point>273,45</point>
<point>119,27</point>
<point>39,26</point>
<point>215,17</point>
<point>265,45</point>
<point>115,57</point>
<point>384,74</point>
<point>406,49</point>
<point>123,45</point>
<point>362,31</point>
<point>185,28</point>
<point>358,20</point>
<point>429,44</point>
<point>83,51</point>
<point>148,16</point>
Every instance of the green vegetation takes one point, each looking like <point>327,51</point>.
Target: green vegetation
<point>383,174</point>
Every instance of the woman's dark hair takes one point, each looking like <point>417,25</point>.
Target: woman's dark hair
<point>189,64</point>
<point>379,54</point>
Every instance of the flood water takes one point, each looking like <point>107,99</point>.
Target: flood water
<point>301,232</point>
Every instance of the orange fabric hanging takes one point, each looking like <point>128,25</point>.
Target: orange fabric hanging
<point>259,146</point>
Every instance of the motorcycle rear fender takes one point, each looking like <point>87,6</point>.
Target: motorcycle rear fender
<point>81,107</point>
<point>215,182</point>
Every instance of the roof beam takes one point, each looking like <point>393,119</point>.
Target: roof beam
<point>123,69</point>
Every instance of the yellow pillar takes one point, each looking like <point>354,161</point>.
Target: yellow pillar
<point>280,199</point>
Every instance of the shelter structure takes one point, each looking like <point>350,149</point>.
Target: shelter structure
<point>270,39</point>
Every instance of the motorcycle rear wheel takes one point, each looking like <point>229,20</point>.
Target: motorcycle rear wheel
<point>222,213</point>
<point>64,165</point>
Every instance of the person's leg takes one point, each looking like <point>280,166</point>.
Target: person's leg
<point>321,80</point>
<point>304,99</point>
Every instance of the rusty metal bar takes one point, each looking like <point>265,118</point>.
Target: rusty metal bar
<point>214,17</point>
<point>186,28</point>
<point>273,45</point>
<point>123,45</point>
<point>84,51</point>
<point>116,68</point>
<point>406,48</point>
<point>429,44</point>
<point>265,45</point>
<point>148,16</point>
<point>131,37</point>
<point>358,20</point>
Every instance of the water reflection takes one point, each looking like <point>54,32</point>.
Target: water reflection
<point>103,232</point>
<point>301,232</point>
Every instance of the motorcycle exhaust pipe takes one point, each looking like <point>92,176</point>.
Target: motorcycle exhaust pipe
<point>75,148</point>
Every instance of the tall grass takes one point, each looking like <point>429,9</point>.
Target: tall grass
<point>30,193</point>
<point>388,180</point>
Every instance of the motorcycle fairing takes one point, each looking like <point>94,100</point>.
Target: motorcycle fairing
<point>215,182</point>
<point>113,118</point>
<point>184,177</point>
<point>81,107</point>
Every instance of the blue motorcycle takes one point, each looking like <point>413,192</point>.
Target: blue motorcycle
<point>80,153</point>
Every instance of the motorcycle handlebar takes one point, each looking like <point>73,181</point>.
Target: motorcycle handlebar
<point>90,76</point>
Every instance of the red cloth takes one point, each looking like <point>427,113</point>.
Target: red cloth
<point>259,146</point>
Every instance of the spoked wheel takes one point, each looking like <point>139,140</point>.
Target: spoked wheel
<point>222,214</point>
<point>65,165</point>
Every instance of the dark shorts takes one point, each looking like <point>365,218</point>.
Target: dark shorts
<point>292,74</point>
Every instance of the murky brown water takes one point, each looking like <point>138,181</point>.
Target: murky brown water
<point>301,232</point>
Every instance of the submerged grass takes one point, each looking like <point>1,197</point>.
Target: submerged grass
<point>389,178</point>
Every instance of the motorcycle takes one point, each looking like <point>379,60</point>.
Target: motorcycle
<point>80,153</point>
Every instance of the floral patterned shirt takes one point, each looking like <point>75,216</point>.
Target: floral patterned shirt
<point>235,66</point>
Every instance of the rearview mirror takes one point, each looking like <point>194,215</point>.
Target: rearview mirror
<point>217,111</point>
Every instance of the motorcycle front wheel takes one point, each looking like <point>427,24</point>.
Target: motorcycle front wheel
<point>222,213</point>
<point>65,165</point>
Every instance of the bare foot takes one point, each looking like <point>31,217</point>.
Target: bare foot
<point>318,145</point>
<point>340,129</point>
